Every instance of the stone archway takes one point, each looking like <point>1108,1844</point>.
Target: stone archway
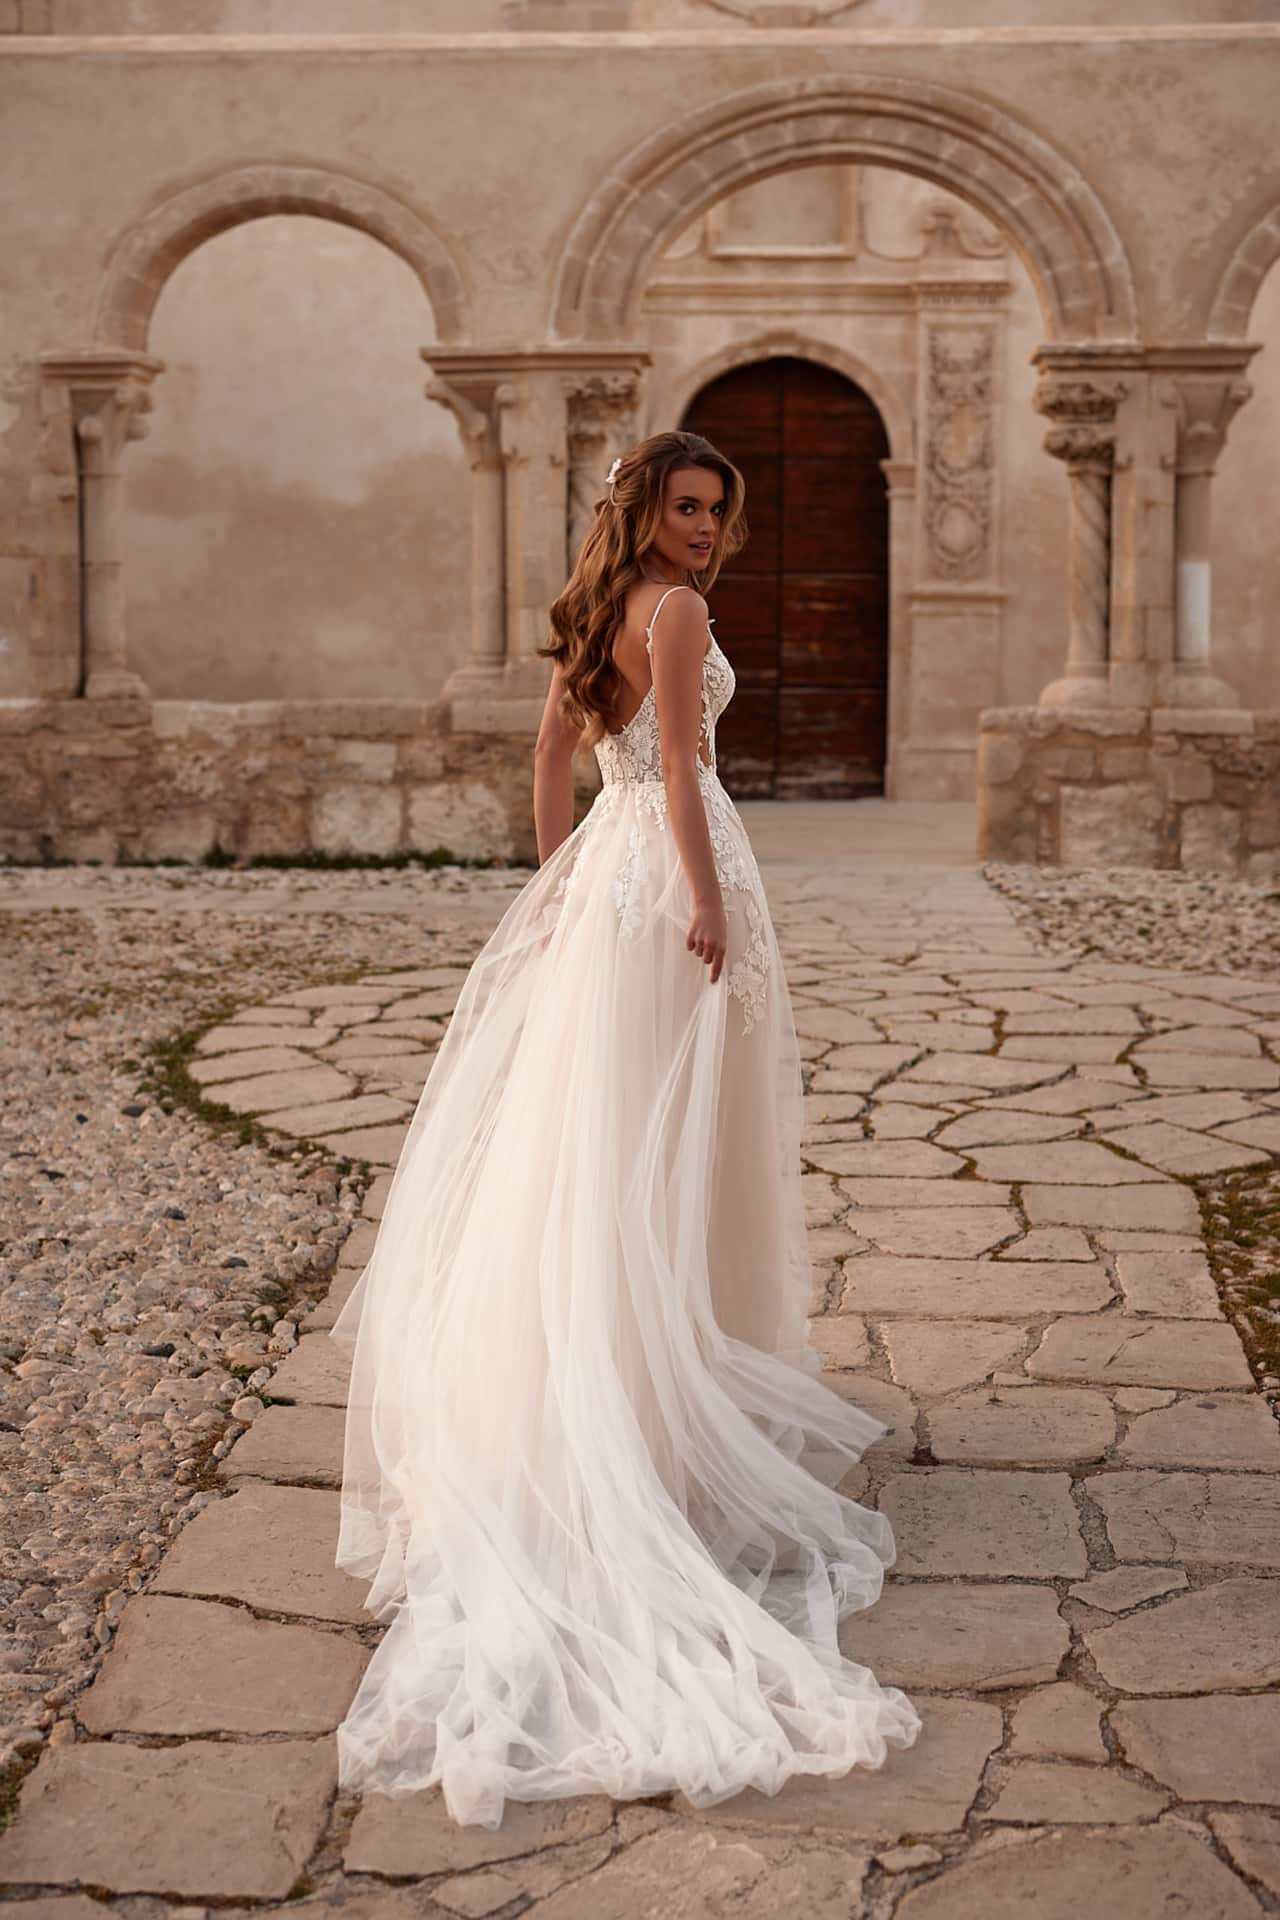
<point>1045,205</point>
<point>147,253</point>
<point>1237,288</point>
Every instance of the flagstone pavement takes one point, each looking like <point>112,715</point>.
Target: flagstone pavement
<point>1002,1152</point>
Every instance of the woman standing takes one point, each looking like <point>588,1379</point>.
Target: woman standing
<point>590,1468</point>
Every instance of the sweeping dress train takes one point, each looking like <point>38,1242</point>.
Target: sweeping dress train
<point>590,1471</point>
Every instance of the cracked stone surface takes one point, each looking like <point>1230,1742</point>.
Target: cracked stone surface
<point>1006,1235</point>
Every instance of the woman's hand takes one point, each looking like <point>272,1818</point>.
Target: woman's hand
<point>708,934</point>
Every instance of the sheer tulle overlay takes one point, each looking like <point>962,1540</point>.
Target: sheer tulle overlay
<point>590,1470</point>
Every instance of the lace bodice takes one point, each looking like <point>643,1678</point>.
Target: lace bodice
<point>633,753</point>
<point>630,764</point>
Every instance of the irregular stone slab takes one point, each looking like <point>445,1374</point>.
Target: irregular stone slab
<point>1215,1040</point>
<point>1209,1071</point>
<point>345,994</point>
<point>1075,1050</point>
<point>1169,1208</point>
<point>688,1873</point>
<point>312,1121</point>
<point>1053,1793</point>
<point>1126,1587</point>
<point>1222,1747</point>
<point>301,1445</point>
<point>1178,1286</point>
<point>371,1047</point>
<point>996,1128</point>
<point>1059,1163</point>
<point>317,1373</point>
<point>841,1339</point>
<point>57,1906</point>
<point>271,1547</point>
<point>1052,1243</point>
<point>205,1820</point>
<point>381,1146</point>
<point>929,1788</point>
<point>836,1024</point>
<point>1166,1353</point>
<point>973,1289</point>
<point>1148,1240</point>
<point>1217,1430</point>
<point>901,1122</point>
<point>1075,1094</point>
<point>323,1315</point>
<point>950,1233</point>
<point>1165,1873</point>
<point>907,1195</point>
<point>949,1635</point>
<point>954,1520</point>
<point>1196,1110</point>
<point>1179,1150</point>
<point>241,1039</point>
<point>412,1835</point>
<point>929,1093</point>
<point>1065,1019</point>
<point>189,1666</point>
<point>955,1036</point>
<point>1171,1010</point>
<point>929,1356</point>
<point>1255,1133</point>
<point>1223,1636</point>
<point>894,1159</point>
<point>1200,1519</point>
<point>1061,1721</point>
<point>1252,1840</point>
<point>1020,1425</point>
<point>884,1402</point>
<point>1143,1399</point>
<point>266,1091</point>
<point>536,1877</point>
<point>239,1066</point>
<point>983,1070</point>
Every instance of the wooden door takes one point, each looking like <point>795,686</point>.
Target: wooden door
<point>803,610</point>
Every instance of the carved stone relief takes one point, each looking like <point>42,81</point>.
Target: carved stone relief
<point>959,450</point>
<point>601,424</point>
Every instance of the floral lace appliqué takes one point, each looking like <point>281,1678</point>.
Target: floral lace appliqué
<point>631,765</point>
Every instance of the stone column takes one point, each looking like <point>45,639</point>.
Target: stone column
<point>1084,436</point>
<point>512,407</point>
<point>477,403</point>
<point>901,478</point>
<point>1205,406</point>
<point>602,424</point>
<point>108,396</point>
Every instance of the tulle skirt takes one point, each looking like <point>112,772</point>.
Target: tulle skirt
<point>590,1471</point>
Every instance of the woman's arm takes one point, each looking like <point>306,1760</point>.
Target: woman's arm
<point>553,773</point>
<point>679,644</point>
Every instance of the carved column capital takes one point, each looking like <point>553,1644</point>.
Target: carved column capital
<point>1205,405</point>
<point>601,421</point>
<point>1083,413</point>
<point>108,395</point>
<point>477,402</point>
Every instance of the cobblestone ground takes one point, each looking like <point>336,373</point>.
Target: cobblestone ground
<point>1014,1151</point>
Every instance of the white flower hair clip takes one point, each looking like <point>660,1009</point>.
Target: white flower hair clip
<point>611,476</point>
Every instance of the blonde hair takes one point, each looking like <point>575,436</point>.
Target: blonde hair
<point>592,607</point>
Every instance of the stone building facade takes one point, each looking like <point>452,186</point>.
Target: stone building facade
<point>311,374</point>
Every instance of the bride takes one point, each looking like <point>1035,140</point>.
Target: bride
<point>590,1470</point>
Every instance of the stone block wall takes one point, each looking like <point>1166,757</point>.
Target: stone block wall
<point>143,780</point>
<point>1129,787</point>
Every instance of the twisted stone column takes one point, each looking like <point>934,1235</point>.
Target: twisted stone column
<point>108,396</point>
<point>1083,435</point>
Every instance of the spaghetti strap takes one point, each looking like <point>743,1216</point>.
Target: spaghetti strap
<point>680,587</point>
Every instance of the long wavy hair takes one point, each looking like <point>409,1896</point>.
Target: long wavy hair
<point>587,615</point>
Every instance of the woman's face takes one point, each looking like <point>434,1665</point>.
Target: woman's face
<point>692,511</point>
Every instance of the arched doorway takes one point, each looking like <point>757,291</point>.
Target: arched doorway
<point>803,610</point>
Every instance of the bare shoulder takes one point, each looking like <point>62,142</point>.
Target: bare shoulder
<point>683,623</point>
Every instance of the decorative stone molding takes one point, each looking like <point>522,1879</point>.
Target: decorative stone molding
<point>964,144</point>
<point>959,460</point>
<point>601,424</point>
<point>1083,435</point>
<point>785,13</point>
<point>108,398</point>
<point>148,251</point>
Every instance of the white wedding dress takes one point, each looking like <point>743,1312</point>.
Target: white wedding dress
<point>590,1470</point>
